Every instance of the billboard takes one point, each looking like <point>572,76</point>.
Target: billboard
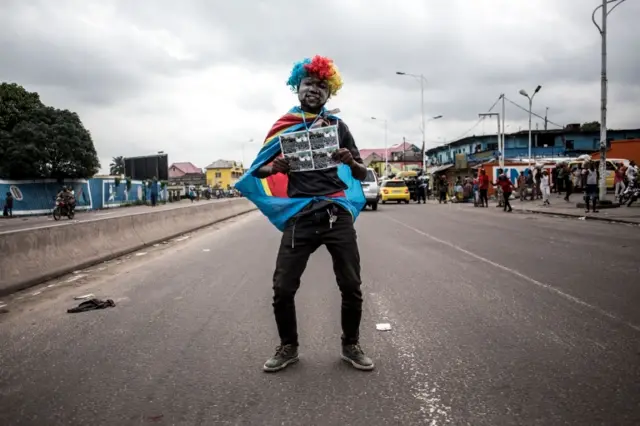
<point>147,167</point>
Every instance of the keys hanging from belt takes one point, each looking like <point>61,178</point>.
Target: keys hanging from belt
<point>332,218</point>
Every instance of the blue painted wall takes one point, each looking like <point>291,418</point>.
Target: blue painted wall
<point>33,197</point>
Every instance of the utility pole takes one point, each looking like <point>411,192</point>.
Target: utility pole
<point>603,91</point>
<point>502,148</point>
<point>546,113</point>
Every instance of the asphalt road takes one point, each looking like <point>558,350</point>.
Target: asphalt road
<point>27,222</point>
<point>496,319</point>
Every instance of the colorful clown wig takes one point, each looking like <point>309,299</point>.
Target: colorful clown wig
<point>319,66</point>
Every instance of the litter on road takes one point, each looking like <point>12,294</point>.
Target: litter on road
<point>84,296</point>
<point>383,326</point>
<point>92,305</point>
<point>141,253</point>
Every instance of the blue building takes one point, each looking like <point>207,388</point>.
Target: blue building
<point>568,142</point>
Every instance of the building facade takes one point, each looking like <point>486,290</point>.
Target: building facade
<point>568,142</point>
<point>223,173</point>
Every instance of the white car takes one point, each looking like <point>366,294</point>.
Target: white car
<point>371,189</point>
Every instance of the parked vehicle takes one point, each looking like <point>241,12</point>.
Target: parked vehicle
<point>395,190</point>
<point>371,189</point>
<point>62,208</point>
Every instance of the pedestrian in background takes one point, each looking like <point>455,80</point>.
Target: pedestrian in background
<point>8,205</point>
<point>618,181</point>
<point>522,186</point>
<point>591,177</point>
<point>545,187</point>
<point>506,186</point>
<point>483,185</point>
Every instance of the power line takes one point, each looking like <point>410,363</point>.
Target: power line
<point>533,113</point>
<point>477,123</point>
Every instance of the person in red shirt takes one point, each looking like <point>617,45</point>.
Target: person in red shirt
<point>483,185</point>
<point>507,188</point>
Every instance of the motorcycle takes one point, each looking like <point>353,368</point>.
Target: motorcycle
<point>630,194</point>
<point>62,208</point>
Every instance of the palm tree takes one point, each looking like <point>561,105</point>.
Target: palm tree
<point>117,166</point>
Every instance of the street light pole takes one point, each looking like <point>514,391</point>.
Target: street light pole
<point>386,153</point>
<point>422,80</point>
<point>525,94</point>
<point>603,92</point>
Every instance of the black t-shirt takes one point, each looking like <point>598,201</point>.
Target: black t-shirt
<point>315,183</point>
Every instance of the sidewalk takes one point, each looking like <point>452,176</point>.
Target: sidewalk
<point>559,207</point>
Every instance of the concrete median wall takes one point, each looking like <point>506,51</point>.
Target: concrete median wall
<point>30,256</point>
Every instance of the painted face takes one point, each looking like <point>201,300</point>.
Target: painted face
<point>313,93</point>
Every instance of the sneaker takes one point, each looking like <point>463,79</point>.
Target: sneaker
<point>285,355</point>
<point>354,355</point>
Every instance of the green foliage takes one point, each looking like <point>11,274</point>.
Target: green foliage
<point>117,181</point>
<point>128,183</point>
<point>117,166</point>
<point>37,141</point>
<point>591,126</point>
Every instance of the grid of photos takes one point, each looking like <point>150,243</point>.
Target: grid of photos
<point>311,150</point>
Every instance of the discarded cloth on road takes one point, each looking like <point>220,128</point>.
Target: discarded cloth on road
<point>270,194</point>
<point>92,305</point>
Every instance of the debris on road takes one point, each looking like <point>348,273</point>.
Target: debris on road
<point>92,305</point>
<point>383,326</point>
<point>85,296</point>
<point>142,253</point>
<point>206,250</point>
<point>582,218</point>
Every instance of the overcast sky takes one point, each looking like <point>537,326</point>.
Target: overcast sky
<point>197,78</point>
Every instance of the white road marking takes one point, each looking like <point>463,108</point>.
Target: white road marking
<point>36,293</point>
<point>519,275</point>
<point>51,285</point>
<point>433,410</point>
<point>141,253</point>
<point>76,278</point>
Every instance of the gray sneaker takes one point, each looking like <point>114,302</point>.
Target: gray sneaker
<point>354,355</point>
<point>285,355</point>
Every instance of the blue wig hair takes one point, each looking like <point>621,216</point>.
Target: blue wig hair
<point>319,66</point>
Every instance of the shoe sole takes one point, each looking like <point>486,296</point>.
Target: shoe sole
<point>282,367</point>
<point>356,365</point>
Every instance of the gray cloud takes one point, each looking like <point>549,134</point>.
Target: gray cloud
<point>98,56</point>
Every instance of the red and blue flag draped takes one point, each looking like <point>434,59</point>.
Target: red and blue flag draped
<point>270,194</point>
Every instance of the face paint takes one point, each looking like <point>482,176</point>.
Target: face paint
<point>313,94</point>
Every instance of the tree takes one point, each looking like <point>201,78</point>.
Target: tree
<point>591,126</point>
<point>37,141</point>
<point>117,166</point>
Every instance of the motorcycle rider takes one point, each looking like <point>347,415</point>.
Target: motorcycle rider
<point>67,196</point>
<point>632,174</point>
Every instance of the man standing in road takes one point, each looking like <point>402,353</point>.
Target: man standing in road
<point>312,208</point>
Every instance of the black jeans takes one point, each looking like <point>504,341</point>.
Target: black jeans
<point>301,238</point>
<point>507,205</point>
<point>484,197</point>
<point>443,197</point>
<point>421,195</point>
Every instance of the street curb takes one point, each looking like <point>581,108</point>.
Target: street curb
<point>575,216</point>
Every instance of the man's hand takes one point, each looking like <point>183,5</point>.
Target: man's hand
<point>344,156</point>
<point>280,165</point>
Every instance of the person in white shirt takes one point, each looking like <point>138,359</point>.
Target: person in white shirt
<point>591,176</point>
<point>632,173</point>
<point>545,187</point>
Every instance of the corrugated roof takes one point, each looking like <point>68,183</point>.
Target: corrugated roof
<point>221,164</point>
<point>186,167</point>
